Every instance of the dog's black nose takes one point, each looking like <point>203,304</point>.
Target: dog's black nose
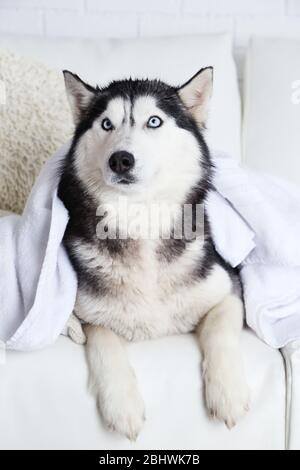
<point>121,162</point>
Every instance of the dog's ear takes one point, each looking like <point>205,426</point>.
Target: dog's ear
<point>196,94</point>
<point>79,94</point>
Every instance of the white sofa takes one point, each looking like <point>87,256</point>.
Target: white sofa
<point>44,402</point>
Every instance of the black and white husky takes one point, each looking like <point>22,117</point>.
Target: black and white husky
<point>142,141</point>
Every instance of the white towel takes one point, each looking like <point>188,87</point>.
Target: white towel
<point>37,282</point>
<point>255,221</point>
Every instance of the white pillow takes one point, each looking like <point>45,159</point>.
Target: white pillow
<point>174,60</point>
<point>271,128</point>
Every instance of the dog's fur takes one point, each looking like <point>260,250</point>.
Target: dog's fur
<point>136,289</point>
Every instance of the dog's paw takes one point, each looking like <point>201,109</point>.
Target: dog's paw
<point>227,394</point>
<point>122,408</point>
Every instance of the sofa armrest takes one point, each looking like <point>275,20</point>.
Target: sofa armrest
<point>291,354</point>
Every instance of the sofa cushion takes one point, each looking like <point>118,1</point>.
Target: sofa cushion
<point>271,128</point>
<point>44,403</point>
<point>174,59</point>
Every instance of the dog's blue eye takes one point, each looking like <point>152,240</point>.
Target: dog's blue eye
<point>106,125</point>
<point>154,122</point>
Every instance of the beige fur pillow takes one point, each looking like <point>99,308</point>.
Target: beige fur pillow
<point>34,121</point>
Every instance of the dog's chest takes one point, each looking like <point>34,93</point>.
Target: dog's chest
<point>147,290</point>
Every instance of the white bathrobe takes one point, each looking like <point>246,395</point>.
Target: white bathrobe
<point>255,223</point>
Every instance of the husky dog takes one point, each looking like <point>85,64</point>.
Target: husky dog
<point>143,140</point>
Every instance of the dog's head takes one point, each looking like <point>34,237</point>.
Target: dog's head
<point>134,134</point>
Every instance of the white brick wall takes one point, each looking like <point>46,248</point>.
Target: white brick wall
<point>135,6</point>
<point>135,18</point>
<point>65,23</point>
<point>235,7</point>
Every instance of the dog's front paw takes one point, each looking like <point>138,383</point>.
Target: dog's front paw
<point>122,407</point>
<point>227,394</point>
